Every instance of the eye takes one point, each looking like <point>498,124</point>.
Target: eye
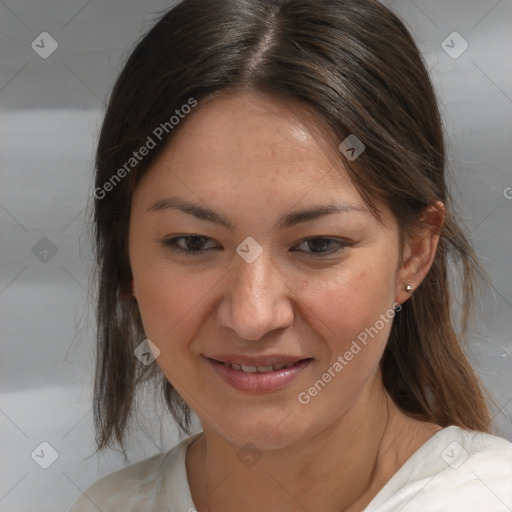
<point>190,245</point>
<point>322,246</point>
<point>196,245</point>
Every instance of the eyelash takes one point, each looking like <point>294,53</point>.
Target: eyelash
<point>172,244</point>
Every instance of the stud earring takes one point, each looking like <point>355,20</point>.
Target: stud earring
<point>408,288</point>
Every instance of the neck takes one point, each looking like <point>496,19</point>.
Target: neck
<point>339,468</point>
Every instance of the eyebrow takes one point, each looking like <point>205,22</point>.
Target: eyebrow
<point>287,221</point>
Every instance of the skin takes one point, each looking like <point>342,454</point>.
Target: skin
<point>249,158</point>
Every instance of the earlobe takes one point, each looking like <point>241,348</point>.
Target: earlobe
<point>421,250</point>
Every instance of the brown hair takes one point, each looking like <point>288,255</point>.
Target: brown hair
<point>356,67</point>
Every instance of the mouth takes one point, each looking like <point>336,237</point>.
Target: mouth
<point>258,375</point>
<point>267,368</point>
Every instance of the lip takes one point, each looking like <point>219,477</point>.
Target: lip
<point>268,360</point>
<point>258,382</point>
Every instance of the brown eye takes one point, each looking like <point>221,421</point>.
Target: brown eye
<point>193,245</point>
<point>322,246</point>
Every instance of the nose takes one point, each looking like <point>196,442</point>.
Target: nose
<point>255,300</point>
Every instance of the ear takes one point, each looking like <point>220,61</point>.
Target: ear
<point>419,251</point>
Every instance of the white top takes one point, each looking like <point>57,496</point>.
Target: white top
<point>455,470</point>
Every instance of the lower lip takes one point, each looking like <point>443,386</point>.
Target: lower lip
<point>258,382</point>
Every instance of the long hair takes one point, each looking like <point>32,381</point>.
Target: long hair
<point>354,65</point>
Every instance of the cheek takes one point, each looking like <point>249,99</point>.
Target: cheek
<point>354,315</point>
<point>171,306</point>
<point>345,307</point>
<point>164,295</point>
<point>169,301</point>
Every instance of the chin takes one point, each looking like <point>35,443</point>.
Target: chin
<point>266,431</point>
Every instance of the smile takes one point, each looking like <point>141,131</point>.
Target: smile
<point>261,369</point>
<point>261,376</point>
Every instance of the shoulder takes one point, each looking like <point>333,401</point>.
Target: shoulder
<point>456,469</point>
<point>156,483</point>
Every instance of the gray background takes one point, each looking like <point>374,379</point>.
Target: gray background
<point>51,111</point>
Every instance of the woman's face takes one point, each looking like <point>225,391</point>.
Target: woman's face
<point>229,267</point>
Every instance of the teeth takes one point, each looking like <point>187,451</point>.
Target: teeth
<point>260,369</point>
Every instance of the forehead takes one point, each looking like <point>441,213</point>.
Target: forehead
<point>252,159</point>
<point>246,136</point>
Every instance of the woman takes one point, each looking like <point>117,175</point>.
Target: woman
<point>272,219</point>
